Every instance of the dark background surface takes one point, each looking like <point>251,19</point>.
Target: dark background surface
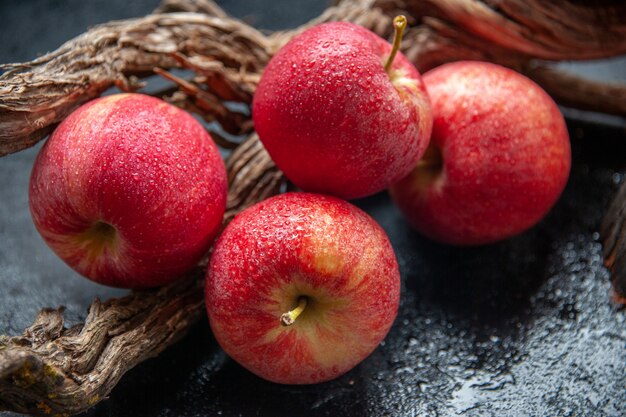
<point>523,327</point>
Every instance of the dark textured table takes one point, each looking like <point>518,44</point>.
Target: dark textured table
<point>523,327</point>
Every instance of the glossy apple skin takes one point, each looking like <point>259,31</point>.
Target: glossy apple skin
<point>505,156</point>
<point>301,244</point>
<point>144,167</point>
<point>332,119</point>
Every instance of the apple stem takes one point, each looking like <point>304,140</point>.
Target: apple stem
<point>288,318</point>
<point>399,24</point>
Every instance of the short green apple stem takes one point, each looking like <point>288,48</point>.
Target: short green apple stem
<point>399,24</point>
<point>288,318</point>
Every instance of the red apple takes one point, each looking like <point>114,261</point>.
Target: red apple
<point>498,159</point>
<point>333,120</point>
<point>129,191</point>
<point>301,288</point>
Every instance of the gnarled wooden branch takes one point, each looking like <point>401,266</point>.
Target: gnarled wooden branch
<point>37,95</point>
<point>567,89</point>
<point>554,30</point>
<point>54,370</point>
<point>613,232</point>
<point>51,369</point>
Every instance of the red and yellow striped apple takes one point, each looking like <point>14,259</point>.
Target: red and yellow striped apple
<point>334,119</point>
<point>498,159</point>
<point>301,288</point>
<point>129,191</point>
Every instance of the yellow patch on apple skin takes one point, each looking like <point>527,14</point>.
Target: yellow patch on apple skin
<point>322,326</point>
<point>285,298</point>
<point>317,314</point>
<point>399,79</point>
<point>115,97</point>
<point>327,257</point>
<point>321,251</point>
<point>409,90</point>
<point>101,237</point>
<point>332,347</point>
<point>103,108</point>
<point>328,261</point>
<point>367,258</point>
<point>91,249</point>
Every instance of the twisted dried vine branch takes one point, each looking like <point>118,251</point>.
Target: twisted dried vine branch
<point>35,96</point>
<point>613,232</point>
<point>54,370</point>
<point>51,369</point>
